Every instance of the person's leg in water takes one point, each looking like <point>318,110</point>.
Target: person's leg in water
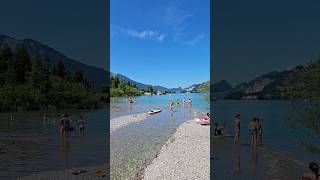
<point>236,136</point>
<point>259,139</point>
<point>253,138</point>
<point>82,131</point>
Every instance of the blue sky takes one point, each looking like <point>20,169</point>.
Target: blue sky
<point>76,28</point>
<point>161,42</point>
<point>253,37</point>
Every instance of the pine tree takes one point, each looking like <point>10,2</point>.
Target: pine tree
<point>78,77</point>
<point>60,70</point>
<point>22,63</point>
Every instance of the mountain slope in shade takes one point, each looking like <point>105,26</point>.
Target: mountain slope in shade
<point>221,86</point>
<point>98,77</point>
<point>272,85</point>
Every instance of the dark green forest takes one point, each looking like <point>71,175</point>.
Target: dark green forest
<point>119,88</point>
<point>33,83</point>
<point>307,116</point>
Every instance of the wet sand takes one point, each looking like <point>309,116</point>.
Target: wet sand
<point>84,173</point>
<point>186,155</point>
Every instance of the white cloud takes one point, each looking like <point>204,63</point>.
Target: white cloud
<point>195,40</point>
<point>144,34</point>
<point>176,18</point>
<point>180,22</point>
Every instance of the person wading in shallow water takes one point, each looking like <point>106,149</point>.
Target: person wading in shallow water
<point>236,127</point>
<point>259,132</point>
<point>314,175</point>
<point>64,125</point>
<point>189,103</point>
<point>253,131</point>
<point>81,126</point>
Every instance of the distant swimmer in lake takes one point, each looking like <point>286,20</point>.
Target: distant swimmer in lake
<point>219,130</point>
<point>178,102</point>
<point>81,126</point>
<point>314,174</point>
<point>189,103</point>
<point>236,129</point>
<point>130,100</point>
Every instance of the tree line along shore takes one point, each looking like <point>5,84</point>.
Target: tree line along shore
<point>32,83</point>
<point>121,88</point>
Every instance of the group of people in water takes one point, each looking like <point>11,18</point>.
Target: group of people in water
<point>65,125</point>
<point>255,130</point>
<point>171,103</point>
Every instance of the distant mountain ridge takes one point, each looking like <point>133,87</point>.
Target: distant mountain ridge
<point>98,77</point>
<point>273,85</point>
<point>159,88</point>
<point>144,86</point>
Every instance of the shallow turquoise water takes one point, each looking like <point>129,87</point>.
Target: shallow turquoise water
<point>134,146</point>
<point>145,103</point>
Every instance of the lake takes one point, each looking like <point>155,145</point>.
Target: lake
<point>134,146</point>
<point>278,136</point>
<point>32,144</point>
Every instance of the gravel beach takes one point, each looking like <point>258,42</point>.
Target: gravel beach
<point>186,155</point>
<point>122,121</point>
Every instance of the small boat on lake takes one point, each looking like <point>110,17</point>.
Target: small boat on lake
<point>154,111</point>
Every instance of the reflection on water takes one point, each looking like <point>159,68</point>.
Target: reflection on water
<point>32,143</point>
<point>65,148</point>
<point>253,151</point>
<point>237,160</point>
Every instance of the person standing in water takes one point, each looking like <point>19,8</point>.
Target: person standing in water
<point>81,126</point>
<point>64,125</point>
<point>259,131</point>
<point>189,103</point>
<point>236,129</point>
<point>171,104</point>
<point>253,131</point>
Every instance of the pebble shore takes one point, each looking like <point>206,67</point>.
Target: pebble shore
<point>186,155</point>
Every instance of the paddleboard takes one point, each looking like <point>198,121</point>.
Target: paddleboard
<point>154,111</point>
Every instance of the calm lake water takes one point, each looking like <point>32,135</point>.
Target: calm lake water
<point>134,146</point>
<point>31,144</point>
<point>278,134</point>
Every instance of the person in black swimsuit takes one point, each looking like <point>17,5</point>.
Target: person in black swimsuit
<point>219,130</point>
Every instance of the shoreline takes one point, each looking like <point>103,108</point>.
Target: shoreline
<point>176,160</point>
<point>122,121</point>
<point>88,173</point>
